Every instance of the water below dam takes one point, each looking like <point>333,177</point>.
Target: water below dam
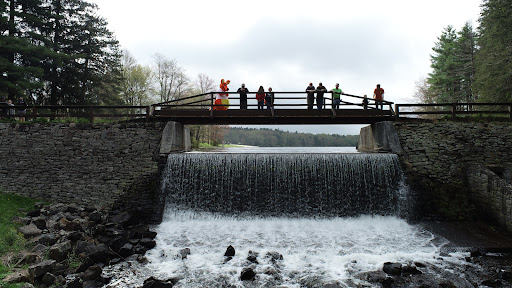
<point>296,219</point>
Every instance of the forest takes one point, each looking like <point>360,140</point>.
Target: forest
<point>279,138</point>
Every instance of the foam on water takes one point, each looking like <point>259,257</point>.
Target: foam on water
<point>332,249</point>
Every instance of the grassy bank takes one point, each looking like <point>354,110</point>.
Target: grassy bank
<point>10,239</point>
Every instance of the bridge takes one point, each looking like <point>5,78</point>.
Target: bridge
<point>288,108</point>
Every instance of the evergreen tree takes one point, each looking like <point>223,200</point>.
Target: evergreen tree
<point>494,58</point>
<point>465,53</point>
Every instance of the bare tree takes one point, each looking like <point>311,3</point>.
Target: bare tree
<point>204,83</point>
<point>137,81</point>
<point>172,81</point>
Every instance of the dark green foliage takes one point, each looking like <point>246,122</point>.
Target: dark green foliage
<point>57,52</point>
<point>494,58</point>
<point>278,138</point>
<point>453,66</point>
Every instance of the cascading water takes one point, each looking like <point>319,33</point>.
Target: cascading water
<point>332,217</point>
<point>284,184</point>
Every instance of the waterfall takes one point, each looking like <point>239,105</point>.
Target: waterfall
<point>301,185</point>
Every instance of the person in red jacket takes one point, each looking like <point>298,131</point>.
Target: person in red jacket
<point>260,97</point>
<point>378,94</point>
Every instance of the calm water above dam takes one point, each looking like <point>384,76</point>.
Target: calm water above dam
<point>332,217</point>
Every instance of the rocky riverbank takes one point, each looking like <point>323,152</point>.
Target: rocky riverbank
<point>71,245</point>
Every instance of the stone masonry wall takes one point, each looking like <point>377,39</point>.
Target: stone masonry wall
<point>437,156</point>
<point>90,164</point>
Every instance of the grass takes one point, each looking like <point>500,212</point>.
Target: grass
<point>10,239</point>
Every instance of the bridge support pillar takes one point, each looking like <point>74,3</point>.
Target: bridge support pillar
<point>380,137</point>
<point>175,138</point>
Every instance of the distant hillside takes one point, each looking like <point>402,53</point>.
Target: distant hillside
<point>278,138</point>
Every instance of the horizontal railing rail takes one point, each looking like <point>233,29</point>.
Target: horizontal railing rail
<point>454,109</point>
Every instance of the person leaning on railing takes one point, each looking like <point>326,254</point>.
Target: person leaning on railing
<point>336,97</point>
<point>320,90</point>
<point>311,95</point>
<point>260,97</point>
<point>269,98</point>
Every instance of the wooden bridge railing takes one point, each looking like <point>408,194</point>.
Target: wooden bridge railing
<point>454,109</point>
<point>207,101</point>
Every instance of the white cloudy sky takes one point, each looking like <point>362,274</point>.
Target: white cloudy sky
<point>287,44</point>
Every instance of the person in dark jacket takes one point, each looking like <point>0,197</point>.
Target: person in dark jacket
<point>311,95</point>
<point>22,108</point>
<point>320,90</point>
<point>243,97</point>
<point>269,98</point>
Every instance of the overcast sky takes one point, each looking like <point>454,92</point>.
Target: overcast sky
<point>287,44</point>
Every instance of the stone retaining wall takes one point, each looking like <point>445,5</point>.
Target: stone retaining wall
<point>437,156</point>
<point>89,164</point>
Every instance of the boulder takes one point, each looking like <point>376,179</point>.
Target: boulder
<point>59,252</point>
<point>126,250</point>
<point>30,231</point>
<point>34,213</point>
<point>99,253</point>
<point>122,218</point>
<point>230,251</point>
<point>18,276</point>
<point>40,222</point>
<point>38,270</point>
<point>93,273</point>
<point>247,274</point>
<point>48,239</point>
<point>39,248</point>
<point>392,268</point>
<point>184,252</point>
<point>75,283</point>
<point>49,279</point>
<point>148,243</point>
<point>152,282</point>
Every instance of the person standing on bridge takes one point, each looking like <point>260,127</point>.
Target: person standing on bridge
<point>378,95</point>
<point>336,97</point>
<point>269,98</point>
<point>320,90</point>
<point>311,95</point>
<point>243,96</point>
<point>260,97</point>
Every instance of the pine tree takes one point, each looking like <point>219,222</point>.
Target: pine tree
<point>494,58</point>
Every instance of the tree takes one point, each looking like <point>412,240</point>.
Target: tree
<point>137,81</point>
<point>465,70</point>
<point>494,58</point>
<point>172,81</point>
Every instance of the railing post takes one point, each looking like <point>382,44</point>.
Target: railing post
<point>91,114</point>
<point>454,109</point>
<point>211,104</point>
<point>34,113</point>
<point>148,113</point>
<point>397,111</point>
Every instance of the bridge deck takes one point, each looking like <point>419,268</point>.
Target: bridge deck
<point>276,116</point>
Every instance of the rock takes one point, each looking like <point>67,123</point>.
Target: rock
<point>126,250</point>
<point>96,217</point>
<point>18,276</point>
<point>492,283</point>
<point>27,285</point>
<point>29,258</point>
<point>252,259</point>
<point>42,268</point>
<point>99,253</point>
<point>39,248</point>
<point>39,205</point>
<point>81,246</point>
<point>49,279</point>
<point>148,243</point>
<point>76,283</point>
<point>92,284</point>
<point>21,220</point>
<point>230,251</point>
<point>392,268</point>
<point>410,270</point>
<point>67,225</point>
<point>184,252</point>
<point>39,222</point>
<point>48,239</point>
<point>227,259</point>
<point>247,274</point>
<point>34,213</point>
<point>93,273</point>
<point>30,231</point>
<point>122,218</point>
<point>152,282</point>
<point>273,256</point>
<point>476,253</point>
<point>59,252</point>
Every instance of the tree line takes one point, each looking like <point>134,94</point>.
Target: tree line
<point>60,52</point>
<point>278,138</point>
<point>471,65</point>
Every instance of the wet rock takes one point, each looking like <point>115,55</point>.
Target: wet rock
<point>30,231</point>
<point>230,251</point>
<point>75,283</point>
<point>183,253</point>
<point>99,253</point>
<point>93,273</point>
<point>492,283</point>
<point>227,259</point>
<point>273,256</point>
<point>148,243</point>
<point>18,276</point>
<point>49,279</point>
<point>392,268</point>
<point>152,282</point>
<point>126,250</point>
<point>42,268</point>
<point>252,259</point>
<point>247,274</point>
<point>59,252</point>
<point>92,284</point>
<point>408,270</point>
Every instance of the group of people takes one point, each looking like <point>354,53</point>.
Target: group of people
<point>7,108</point>
<point>267,98</point>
